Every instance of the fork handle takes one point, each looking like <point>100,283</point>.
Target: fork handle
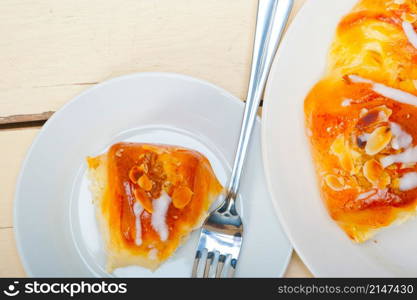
<point>271,20</point>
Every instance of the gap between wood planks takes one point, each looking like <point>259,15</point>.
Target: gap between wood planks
<point>27,120</point>
<point>31,120</point>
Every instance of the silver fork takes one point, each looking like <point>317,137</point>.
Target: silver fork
<point>222,231</point>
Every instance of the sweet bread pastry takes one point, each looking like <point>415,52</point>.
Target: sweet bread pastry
<point>361,118</point>
<point>148,199</point>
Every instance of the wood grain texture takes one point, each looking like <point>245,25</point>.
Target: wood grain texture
<point>53,50</point>
<point>10,265</point>
<point>56,49</point>
<point>14,145</point>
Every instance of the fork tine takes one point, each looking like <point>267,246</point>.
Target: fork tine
<point>220,264</point>
<point>195,265</point>
<point>232,268</point>
<point>209,262</point>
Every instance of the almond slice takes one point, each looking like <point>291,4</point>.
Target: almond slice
<point>181,196</point>
<point>378,140</point>
<point>143,199</point>
<point>334,182</point>
<point>375,174</point>
<point>372,169</point>
<point>144,168</point>
<point>134,174</point>
<point>373,116</point>
<point>145,183</point>
<point>384,113</point>
<point>338,146</point>
<point>395,183</point>
<point>342,151</point>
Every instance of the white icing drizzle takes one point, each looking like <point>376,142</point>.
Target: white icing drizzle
<point>382,115</point>
<point>380,194</point>
<point>408,156</point>
<point>386,91</point>
<point>401,138</point>
<point>410,33</point>
<point>395,94</point>
<point>358,79</point>
<point>346,102</point>
<point>372,196</point>
<point>365,195</point>
<point>137,210</point>
<point>160,209</point>
<point>408,181</point>
<point>364,137</point>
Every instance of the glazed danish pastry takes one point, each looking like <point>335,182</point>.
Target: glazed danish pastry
<point>148,199</point>
<point>361,118</point>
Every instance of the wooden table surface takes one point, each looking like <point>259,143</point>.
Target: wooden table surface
<point>50,51</point>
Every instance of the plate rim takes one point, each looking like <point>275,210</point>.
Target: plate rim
<point>78,97</point>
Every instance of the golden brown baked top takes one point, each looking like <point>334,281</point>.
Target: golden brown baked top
<point>361,118</point>
<point>154,196</point>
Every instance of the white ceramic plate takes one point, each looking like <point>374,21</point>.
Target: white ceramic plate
<point>56,230</point>
<point>318,240</point>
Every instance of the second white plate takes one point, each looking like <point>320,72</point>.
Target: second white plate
<point>326,250</point>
